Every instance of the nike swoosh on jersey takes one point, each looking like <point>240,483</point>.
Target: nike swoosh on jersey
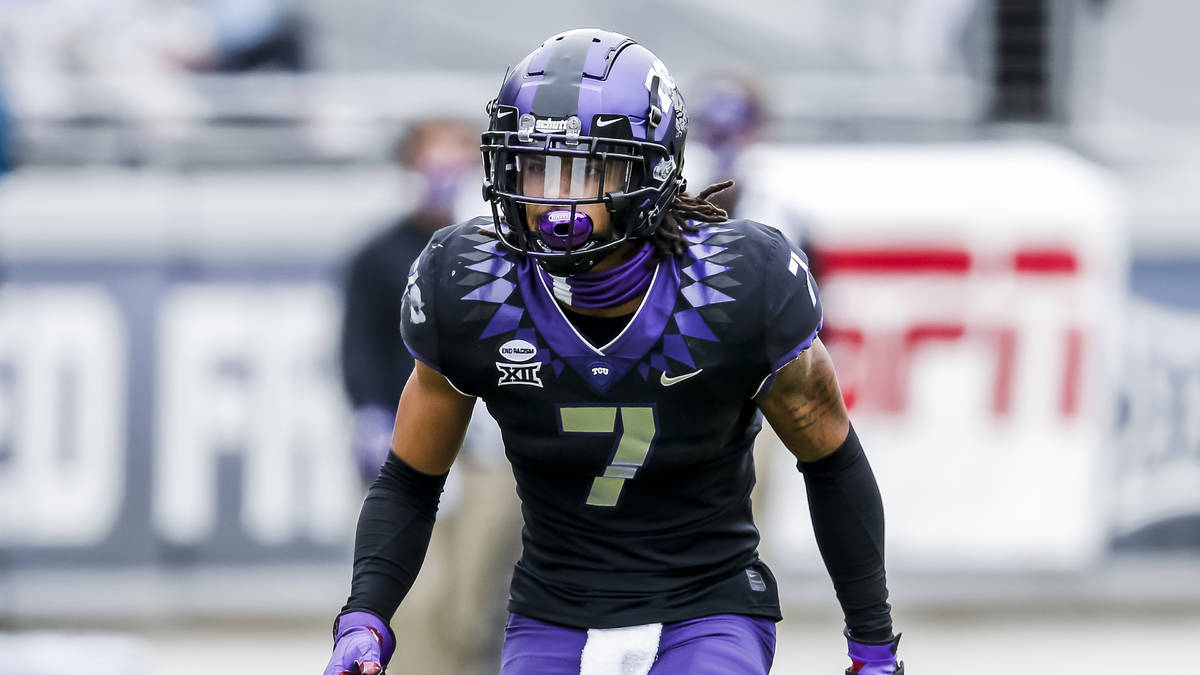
<point>667,380</point>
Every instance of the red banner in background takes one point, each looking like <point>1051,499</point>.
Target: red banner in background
<point>884,384</point>
<point>969,292</point>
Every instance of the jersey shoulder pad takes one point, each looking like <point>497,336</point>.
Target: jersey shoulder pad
<point>792,311</point>
<point>427,321</point>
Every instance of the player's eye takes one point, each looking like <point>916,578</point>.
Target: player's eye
<point>533,164</point>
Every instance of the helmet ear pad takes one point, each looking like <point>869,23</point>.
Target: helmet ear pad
<point>622,207</point>
<point>642,214</point>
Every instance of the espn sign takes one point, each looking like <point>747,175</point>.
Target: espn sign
<point>973,299</point>
<point>876,357</point>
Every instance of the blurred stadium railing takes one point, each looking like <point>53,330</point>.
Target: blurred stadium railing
<point>317,119</point>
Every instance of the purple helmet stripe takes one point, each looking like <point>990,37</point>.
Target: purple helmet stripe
<point>593,67</point>
<point>598,61</point>
<point>526,92</point>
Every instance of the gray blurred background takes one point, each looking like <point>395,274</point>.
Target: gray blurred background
<point>1000,197</point>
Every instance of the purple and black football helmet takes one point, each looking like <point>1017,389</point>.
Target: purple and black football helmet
<point>590,117</point>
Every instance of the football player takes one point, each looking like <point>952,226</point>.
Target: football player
<point>628,339</point>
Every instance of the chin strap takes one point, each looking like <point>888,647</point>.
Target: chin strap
<point>593,290</point>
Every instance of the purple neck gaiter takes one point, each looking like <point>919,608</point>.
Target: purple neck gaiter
<point>594,290</point>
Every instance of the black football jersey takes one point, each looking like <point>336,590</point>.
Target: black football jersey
<point>632,459</point>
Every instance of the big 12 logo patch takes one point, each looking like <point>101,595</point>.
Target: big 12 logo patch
<point>520,373</point>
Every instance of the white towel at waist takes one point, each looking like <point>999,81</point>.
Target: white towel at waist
<point>620,651</point>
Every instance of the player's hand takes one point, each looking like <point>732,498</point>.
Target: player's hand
<point>873,658</point>
<point>363,646</point>
<point>372,439</point>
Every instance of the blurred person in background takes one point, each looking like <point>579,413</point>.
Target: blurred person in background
<point>436,157</point>
<point>728,118</point>
<point>639,548</point>
<point>448,616</point>
<point>256,34</point>
<point>730,122</point>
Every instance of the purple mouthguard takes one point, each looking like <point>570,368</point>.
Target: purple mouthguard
<point>559,232</point>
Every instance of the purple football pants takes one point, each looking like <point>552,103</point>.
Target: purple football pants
<point>723,644</point>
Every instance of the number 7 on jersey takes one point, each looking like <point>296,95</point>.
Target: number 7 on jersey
<point>634,440</point>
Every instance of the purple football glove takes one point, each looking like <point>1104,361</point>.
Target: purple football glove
<point>364,645</point>
<point>873,658</point>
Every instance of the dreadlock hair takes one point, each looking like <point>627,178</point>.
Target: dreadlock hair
<point>668,240</point>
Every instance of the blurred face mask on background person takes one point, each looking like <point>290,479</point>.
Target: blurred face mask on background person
<point>444,165</point>
<point>440,188</point>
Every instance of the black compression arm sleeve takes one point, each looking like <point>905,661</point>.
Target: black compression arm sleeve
<point>847,516</point>
<point>393,535</point>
